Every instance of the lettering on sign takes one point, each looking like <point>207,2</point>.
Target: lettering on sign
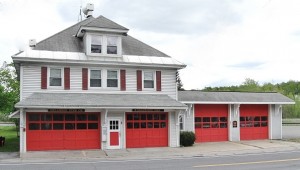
<point>66,110</point>
<point>147,110</point>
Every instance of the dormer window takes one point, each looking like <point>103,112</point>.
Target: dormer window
<point>112,46</point>
<point>96,44</point>
<point>103,45</point>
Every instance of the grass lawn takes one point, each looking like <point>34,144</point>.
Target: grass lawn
<point>11,139</point>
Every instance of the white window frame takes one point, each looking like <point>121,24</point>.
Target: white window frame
<point>88,42</point>
<point>89,78</point>
<point>90,49</point>
<point>118,77</point>
<point>182,121</point>
<point>154,80</point>
<point>61,76</point>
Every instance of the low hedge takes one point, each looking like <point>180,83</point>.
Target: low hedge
<point>187,138</point>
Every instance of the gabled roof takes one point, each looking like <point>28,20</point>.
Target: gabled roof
<point>101,101</point>
<point>66,41</point>
<point>232,98</point>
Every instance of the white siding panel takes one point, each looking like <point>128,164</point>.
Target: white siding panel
<point>32,82</point>
<point>189,124</point>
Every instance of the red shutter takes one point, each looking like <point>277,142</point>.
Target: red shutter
<point>84,78</point>
<point>44,78</point>
<point>123,80</point>
<point>67,78</point>
<point>139,80</point>
<point>158,80</point>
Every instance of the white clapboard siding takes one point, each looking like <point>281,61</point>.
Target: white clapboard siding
<point>32,82</point>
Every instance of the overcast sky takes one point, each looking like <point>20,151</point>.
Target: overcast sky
<point>222,42</point>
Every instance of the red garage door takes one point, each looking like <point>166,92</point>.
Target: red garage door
<point>254,122</point>
<point>60,131</point>
<point>211,123</point>
<point>146,130</point>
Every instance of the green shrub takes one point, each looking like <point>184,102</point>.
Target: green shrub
<point>187,138</point>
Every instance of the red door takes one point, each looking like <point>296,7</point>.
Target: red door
<point>114,134</point>
<point>211,124</point>
<point>146,129</point>
<point>63,131</point>
<point>254,122</point>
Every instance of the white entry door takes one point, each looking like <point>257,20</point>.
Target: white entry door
<point>114,141</point>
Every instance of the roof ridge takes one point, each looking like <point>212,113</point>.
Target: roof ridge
<point>65,29</point>
<point>149,46</point>
<point>103,17</point>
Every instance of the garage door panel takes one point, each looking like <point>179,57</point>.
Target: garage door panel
<point>211,123</point>
<point>146,130</point>
<point>57,131</point>
<point>253,122</point>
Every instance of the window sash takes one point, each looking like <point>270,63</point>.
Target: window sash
<point>95,78</point>
<point>112,47</point>
<point>112,78</point>
<point>148,80</point>
<point>55,77</point>
<point>96,44</point>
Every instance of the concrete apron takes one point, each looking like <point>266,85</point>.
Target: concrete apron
<point>197,150</point>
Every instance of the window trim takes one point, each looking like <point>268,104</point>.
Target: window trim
<point>61,76</point>
<point>154,80</point>
<point>89,78</point>
<point>88,43</point>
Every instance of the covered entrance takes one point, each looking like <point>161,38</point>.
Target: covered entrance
<point>211,123</point>
<point>254,122</point>
<point>146,129</point>
<point>63,131</point>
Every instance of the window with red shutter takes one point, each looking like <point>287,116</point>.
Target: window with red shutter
<point>158,80</point>
<point>139,80</point>
<point>67,78</point>
<point>84,78</point>
<point>43,77</point>
<point>123,80</point>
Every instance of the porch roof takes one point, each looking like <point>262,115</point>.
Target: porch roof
<point>101,101</point>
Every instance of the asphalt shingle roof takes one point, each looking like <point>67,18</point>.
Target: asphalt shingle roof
<point>232,97</point>
<point>66,41</point>
<point>95,100</point>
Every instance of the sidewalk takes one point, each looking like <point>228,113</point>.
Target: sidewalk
<point>198,150</point>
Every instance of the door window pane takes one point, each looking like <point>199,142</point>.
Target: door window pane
<point>46,126</point>
<point>58,117</point>
<point>70,117</point>
<point>34,126</point>
<point>34,117</point>
<point>93,126</point>
<point>58,126</point>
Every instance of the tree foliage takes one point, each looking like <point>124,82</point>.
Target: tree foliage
<point>9,88</point>
<point>179,82</point>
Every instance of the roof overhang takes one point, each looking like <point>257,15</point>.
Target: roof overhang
<point>83,29</point>
<point>224,102</point>
<point>99,101</point>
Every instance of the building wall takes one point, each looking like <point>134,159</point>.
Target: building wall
<point>189,123</point>
<point>234,115</point>
<point>275,121</point>
<point>31,81</point>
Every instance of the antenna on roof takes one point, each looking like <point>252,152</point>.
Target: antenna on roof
<point>80,16</point>
<point>88,10</point>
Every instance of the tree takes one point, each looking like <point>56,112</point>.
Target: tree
<point>178,81</point>
<point>9,88</point>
